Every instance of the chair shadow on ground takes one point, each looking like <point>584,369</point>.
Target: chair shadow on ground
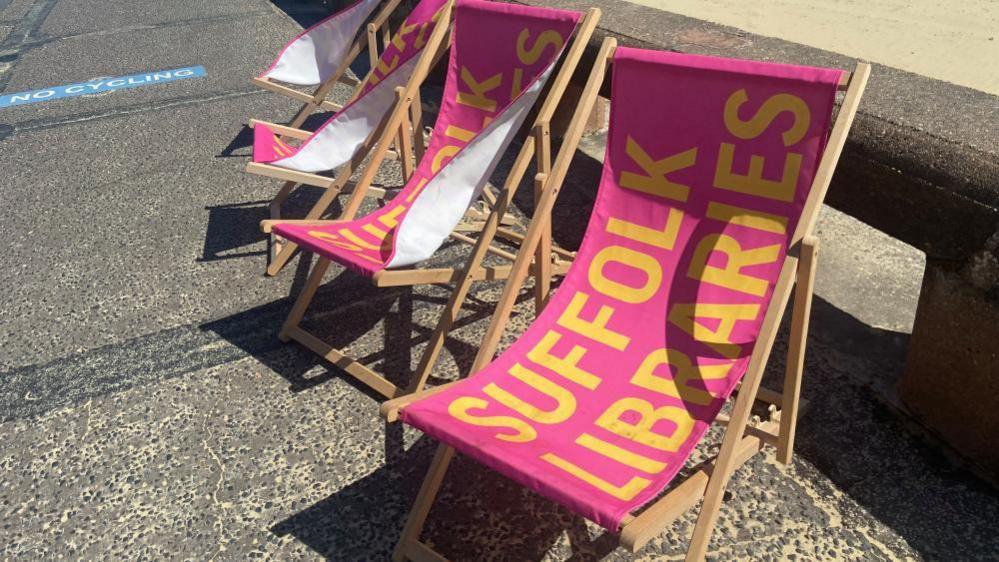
<point>346,313</point>
<point>853,439</point>
<point>235,226</point>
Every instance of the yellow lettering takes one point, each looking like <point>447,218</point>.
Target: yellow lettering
<point>398,40</point>
<point>765,115</point>
<point>731,276</point>
<point>565,402</point>
<point>753,183</point>
<point>748,218</point>
<point>421,37</point>
<point>677,385</point>
<point>567,366</point>
<point>460,409</point>
<point>459,133</point>
<point>654,181</point>
<point>419,188</point>
<point>518,83</point>
<point>595,329</point>
<point>446,151</point>
<point>391,217</point>
<point>664,238</point>
<point>374,231</point>
<point>478,97</point>
<point>621,455</point>
<point>624,493</point>
<point>641,431</point>
<point>358,240</point>
<point>531,56</point>
<point>334,240</point>
<point>386,68</point>
<point>635,260</point>
<point>685,317</point>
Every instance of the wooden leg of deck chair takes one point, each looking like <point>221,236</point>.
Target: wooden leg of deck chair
<point>450,314</point>
<point>275,209</point>
<point>304,299</point>
<point>419,141</point>
<point>796,348</point>
<point>324,202</point>
<point>543,255</point>
<point>372,45</point>
<point>424,500</point>
<point>404,142</point>
<point>482,246</point>
<point>644,527</point>
<point>727,456</point>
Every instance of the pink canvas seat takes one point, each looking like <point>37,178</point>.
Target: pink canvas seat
<point>675,294</point>
<point>503,58</point>
<point>487,96</point>
<point>339,138</point>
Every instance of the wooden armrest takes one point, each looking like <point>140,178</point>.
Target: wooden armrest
<point>282,130</point>
<point>390,409</point>
<point>267,225</point>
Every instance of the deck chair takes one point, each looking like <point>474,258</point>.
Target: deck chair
<point>502,57</point>
<point>714,174</point>
<point>321,55</point>
<point>346,139</point>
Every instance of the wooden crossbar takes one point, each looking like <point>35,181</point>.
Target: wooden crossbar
<point>300,134</point>
<point>642,528</point>
<point>315,180</point>
<point>277,88</point>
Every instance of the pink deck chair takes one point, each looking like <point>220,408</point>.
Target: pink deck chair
<point>321,55</point>
<point>501,60</point>
<point>713,177</point>
<point>347,137</point>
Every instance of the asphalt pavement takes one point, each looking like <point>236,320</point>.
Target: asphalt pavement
<point>148,411</point>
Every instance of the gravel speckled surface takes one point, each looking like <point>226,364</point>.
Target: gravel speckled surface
<point>148,411</point>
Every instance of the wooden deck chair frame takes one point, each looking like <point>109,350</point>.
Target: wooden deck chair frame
<point>398,136</point>
<point>741,441</point>
<point>317,100</point>
<point>557,262</point>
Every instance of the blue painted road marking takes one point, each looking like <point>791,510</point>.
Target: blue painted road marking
<point>101,85</point>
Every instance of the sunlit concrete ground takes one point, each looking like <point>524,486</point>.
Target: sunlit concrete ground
<point>147,410</point>
<point>952,40</point>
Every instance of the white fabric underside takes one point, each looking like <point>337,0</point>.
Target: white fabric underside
<point>315,56</point>
<point>443,202</point>
<point>336,143</point>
